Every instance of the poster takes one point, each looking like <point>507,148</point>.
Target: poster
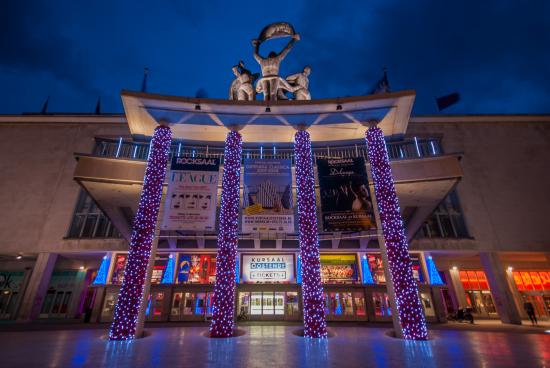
<point>267,268</point>
<point>192,194</point>
<point>118,269</point>
<point>161,261</point>
<point>376,268</point>
<point>196,269</point>
<point>345,198</point>
<point>338,268</point>
<point>267,198</point>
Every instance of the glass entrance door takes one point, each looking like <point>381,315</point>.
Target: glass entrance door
<point>191,306</point>
<point>267,305</point>
<point>344,305</point>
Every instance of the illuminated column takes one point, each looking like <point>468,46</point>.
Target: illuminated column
<point>131,292</point>
<point>312,291</point>
<point>409,309</point>
<point>224,290</point>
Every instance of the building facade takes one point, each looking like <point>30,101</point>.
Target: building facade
<point>472,191</point>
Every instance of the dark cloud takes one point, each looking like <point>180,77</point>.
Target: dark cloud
<point>495,53</point>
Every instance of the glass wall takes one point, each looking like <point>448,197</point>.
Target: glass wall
<point>447,220</point>
<point>478,295</point>
<point>89,221</point>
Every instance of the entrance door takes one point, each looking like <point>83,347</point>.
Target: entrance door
<point>55,304</point>
<point>267,305</point>
<point>481,303</point>
<point>292,306</point>
<point>155,306</point>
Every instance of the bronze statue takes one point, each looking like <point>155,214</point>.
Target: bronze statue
<point>300,82</point>
<point>271,84</point>
<point>241,88</point>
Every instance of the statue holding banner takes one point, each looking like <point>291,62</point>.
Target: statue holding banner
<point>271,84</point>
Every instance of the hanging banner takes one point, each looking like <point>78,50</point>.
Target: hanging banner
<point>345,198</point>
<point>267,199</point>
<point>192,194</point>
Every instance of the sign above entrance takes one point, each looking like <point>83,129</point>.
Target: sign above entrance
<point>268,268</point>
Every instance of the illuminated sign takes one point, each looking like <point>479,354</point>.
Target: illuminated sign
<point>268,268</point>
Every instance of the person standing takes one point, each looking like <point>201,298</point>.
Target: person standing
<point>530,310</point>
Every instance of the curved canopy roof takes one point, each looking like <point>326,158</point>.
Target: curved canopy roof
<point>327,120</point>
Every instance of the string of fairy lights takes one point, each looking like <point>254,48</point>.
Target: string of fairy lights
<point>409,307</point>
<point>132,289</point>
<point>312,291</point>
<point>224,290</point>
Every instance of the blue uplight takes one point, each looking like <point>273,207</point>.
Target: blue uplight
<point>101,277</point>
<point>299,270</point>
<point>435,279</point>
<point>367,275</point>
<point>168,277</point>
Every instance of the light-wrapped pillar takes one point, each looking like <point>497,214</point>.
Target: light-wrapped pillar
<point>224,290</point>
<point>312,290</point>
<point>409,308</point>
<point>132,289</point>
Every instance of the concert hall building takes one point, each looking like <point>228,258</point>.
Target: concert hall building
<point>473,193</point>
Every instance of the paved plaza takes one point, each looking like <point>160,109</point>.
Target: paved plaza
<point>278,346</point>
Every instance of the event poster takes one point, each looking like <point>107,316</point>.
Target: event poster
<point>267,198</point>
<point>196,269</point>
<point>159,267</point>
<point>192,194</point>
<point>345,198</point>
<point>338,268</point>
<point>118,268</point>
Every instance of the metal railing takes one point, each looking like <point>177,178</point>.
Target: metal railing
<point>401,150</point>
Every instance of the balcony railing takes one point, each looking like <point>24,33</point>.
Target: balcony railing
<point>401,150</point>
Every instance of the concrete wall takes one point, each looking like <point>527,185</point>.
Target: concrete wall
<point>37,190</point>
<point>504,192</point>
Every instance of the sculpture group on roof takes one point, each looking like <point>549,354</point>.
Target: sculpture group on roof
<point>273,87</point>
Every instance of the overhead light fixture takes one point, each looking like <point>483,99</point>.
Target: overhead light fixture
<point>197,107</point>
<point>81,267</point>
<point>19,256</point>
<point>455,268</point>
<point>510,268</point>
<point>268,109</point>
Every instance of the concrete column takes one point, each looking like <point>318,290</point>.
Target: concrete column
<point>147,285</point>
<point>500,290</point>
<point>402,287</point>
<point>312,290</point>
<point>130,299</point>
<point>457,290</point>
<point>98,304</point>
<point>37,287</point>
<point>439,304</point>
<point>224,289</point>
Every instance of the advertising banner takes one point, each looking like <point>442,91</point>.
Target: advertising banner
<point>345,198</point>
<point>267,268</point>
<point>338,268</point>
<point>267,199</point>
<point>192,194</point>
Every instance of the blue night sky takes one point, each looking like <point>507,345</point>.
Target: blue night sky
<point>496,54</point>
